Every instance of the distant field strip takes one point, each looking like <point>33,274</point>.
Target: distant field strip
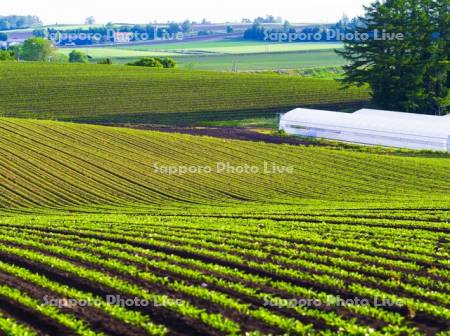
<point>112,93</point>
<point>108,52</point>
<point>261,61</point>
<point>234,47</point>
<point>48,164</point>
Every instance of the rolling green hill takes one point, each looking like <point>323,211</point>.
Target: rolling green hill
<point>48,164</point>
<point>132,94</point>
<point>86,223</point>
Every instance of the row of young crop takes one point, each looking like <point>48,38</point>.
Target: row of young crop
<point>192,275</point>
<point>426,211</point>
<point>236,247</point>
<point>10,326</point>
<point>322,164</point>
<point>413,250</point>
<point>72,91</point>
<point>97,161</point>
<point>218,298</point>
<point>118,285</point>
<point>380,271</point>
<point>201,258</point>
<point>101,165</point>
<point>130,318</point>
<point>381,241</point>
<point>44,245</point>
<point>284,227</point>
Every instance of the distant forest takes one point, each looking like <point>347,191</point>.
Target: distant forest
<point>104,32</point>
<point>19,22</point>
<point>259,32</point>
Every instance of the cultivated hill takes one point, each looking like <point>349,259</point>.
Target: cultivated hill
<point>48,164</point>
<point>94,241</point>
<point>120,94</point>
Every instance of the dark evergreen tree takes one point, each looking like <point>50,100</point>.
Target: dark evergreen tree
<point>407,72</point>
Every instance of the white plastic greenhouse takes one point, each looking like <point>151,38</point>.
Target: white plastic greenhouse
<point>371,127</point>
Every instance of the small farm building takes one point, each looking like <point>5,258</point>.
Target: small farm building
<point>371,127</point>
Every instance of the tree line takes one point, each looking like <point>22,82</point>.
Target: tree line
<point>102,34</point>
<point>19,22</point>
<point>43,50</point>
<point>312,33</point>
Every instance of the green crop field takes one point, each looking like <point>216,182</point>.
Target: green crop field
<point>226,62</point>
<point>234,46</point>
<point>84,149</point>
<point>116,53</point>
<point>102,93</point>
<point>223,55</point>
<point>221,46</point>
<point>260,62</point>
<point>97,238</point>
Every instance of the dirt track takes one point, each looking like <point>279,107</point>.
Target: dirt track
<point>235,133</point>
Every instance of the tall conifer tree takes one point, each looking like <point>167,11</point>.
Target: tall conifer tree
<point>409,72</point>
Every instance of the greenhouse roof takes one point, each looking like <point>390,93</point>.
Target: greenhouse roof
<point>374,121</point>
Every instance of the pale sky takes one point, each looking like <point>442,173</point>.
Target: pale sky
<point>144,11</point>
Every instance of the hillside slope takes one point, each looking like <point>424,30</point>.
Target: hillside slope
<point>85,216</point>
<point>48,164</point>
<point>135,94</point>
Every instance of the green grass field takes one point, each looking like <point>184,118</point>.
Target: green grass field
<point>231,62</point>
<point>85,216</point>
<point>261,62</point>
<point>225,55</point>
<point>235,46</point>
<point>222,46</point>
<point>102,93</point>
<point>114,53</point>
